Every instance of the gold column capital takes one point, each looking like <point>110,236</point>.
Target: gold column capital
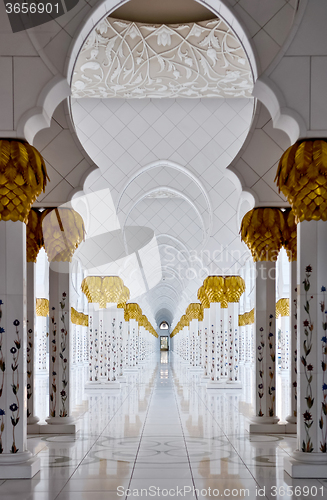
<point>262,231</point>
<point>302,178</point>
<point>78,318</point>
<point>290,235</point>
<point>124,297</point>
<point>234,287</point>
<point>34,236</point>
<point>214,288</point>
<point>203,298</point>
<point>112,288</point>
<point>194,311</point>
<point>184,321</point>
<point>63,231</point>
<point>42,307</point>
<point>23,177</point>
<point>132,311</point>
<point>92,288</point>
<point>282,307</point>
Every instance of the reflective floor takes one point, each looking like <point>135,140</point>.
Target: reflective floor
<point>163,435</point>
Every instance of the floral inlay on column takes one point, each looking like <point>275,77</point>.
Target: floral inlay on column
<point>30,368</point>
<point>113,349</point>
<point>271,388</point>
<point>53,357</point>
<point>62,356</point>
<point>307,347</point>
<point>14,407</point>
<point>295,353</point>
<point>261,387</point>
<point>3,369</point>
<point>323,417</point>
<point>121,348</point>
<point>90,331</point>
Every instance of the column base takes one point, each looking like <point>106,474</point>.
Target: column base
<point>265,425</point>
<point>291,419</point>
<point>33,428</point>
<point>25,469</point>
<point>60,425</point>
<point>32,420</point>
<point>195,368</point>
<point>102,385</point>
<point>306,465</point>
<point>132,369</point>
<point>204,380</point>
<point>224,384</point>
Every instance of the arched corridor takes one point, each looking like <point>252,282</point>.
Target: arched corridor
<point>163,223</point>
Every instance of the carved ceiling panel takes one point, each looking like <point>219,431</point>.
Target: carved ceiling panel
<point>133,60</point>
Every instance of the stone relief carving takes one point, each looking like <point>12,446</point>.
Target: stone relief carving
<point>132,60</point>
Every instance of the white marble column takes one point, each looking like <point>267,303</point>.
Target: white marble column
<point>224,343</point>
<point>200,342</point>
<point>93,342</point>
<point>233,345</point>
<point>15,459</point>
<point>310,459</point>
<point>292,418</point>
<point>205,344</point>
<point>132,328</point>
<point>121,343</point>
<point>285,337</point>
<point>111,328</point>
<point>32,419</point>
<point>247,356</point>
<point>193,330</point>
<point>215,346</point>
<point>265,418</point>
<point>60,351</point>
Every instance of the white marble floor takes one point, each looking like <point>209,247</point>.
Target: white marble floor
<point>163,435</point>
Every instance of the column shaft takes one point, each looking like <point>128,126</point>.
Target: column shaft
<point>265,345</point>
<point>31,344</point>
<point>13,344</point>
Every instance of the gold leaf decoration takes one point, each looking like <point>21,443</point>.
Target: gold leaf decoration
<point>184,321</point>
<point>241,320</point>
<point>132,311</point>
<point>234,287</point>
<point>34,237</point>
<point>203,298</point>
<point>214,288</point>
<point>23,177</point>
<point>290,235</point>
<point>124,297</point>
<point>246,318</point>
<point>302,178</point>
<point>105,289</point>
<point>283,307</point>
<point>42,307</point>
<point>262,231</point>
<point>112,288</point>
<point>79,318</point>
<point>194,311</point>
<point>92,288</point>
<point>63,231</point>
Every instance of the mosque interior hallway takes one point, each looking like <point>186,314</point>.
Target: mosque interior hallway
<point>162,430</point>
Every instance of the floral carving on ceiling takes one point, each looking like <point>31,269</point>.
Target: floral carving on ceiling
<point>133,60</point>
